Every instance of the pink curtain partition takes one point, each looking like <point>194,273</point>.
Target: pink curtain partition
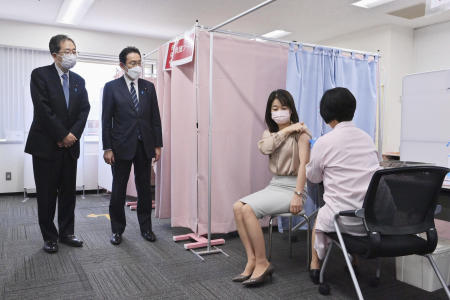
<point>184,148</point>
<point>245,72</point>
<point>163,168</point>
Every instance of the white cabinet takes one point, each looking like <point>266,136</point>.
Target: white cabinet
<point>90,163</point>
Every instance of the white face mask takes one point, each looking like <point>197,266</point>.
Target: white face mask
<point>134,72</point>
<point>281,116</point>
<point>68,61</point>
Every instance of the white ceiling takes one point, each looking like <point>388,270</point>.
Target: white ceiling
<point>308,20</point>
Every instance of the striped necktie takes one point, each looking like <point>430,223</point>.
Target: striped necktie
<point>134,97</point>
<point>136,107</point>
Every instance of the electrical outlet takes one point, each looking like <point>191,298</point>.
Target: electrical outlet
<point>8,176</point>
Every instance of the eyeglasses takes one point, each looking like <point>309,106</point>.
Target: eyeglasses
<point>69,52</point>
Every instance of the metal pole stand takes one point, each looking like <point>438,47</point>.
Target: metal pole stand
<point>200,242</point>
<point>208,251</point>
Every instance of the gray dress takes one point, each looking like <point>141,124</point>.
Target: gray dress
<point>284,162</point>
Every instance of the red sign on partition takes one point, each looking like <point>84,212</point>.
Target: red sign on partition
<point>183,50</point>
<point>180,51</point>
<point>168,56</point>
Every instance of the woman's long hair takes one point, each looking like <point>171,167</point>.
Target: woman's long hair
<point>286,100</point>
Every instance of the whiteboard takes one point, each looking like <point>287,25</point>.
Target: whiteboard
<point>425,126</point>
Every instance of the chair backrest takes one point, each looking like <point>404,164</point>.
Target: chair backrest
<point>403,200</point>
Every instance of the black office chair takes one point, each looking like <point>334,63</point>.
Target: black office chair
<point>399,204</point>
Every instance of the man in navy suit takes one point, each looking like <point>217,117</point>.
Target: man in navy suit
<point>132,134</point>
<point>61,108</point>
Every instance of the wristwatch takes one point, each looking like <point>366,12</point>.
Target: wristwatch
<point>298,193</point>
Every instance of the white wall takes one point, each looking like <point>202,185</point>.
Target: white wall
<point>37,36</point>
<point>396,46</point>
<point>432,48</point>
<point>14,33</point>
<point>401,64</point>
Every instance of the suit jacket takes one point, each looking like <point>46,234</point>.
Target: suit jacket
<point>120,121</point>
<point>52,120</point>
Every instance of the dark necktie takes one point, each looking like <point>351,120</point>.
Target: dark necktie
<point>136,106</point>
<point>66,88</point>
<point>134,97</point>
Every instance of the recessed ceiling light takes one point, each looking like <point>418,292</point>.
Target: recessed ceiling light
<point>276,34</point>
<point>73,11</point>
<point>371,3</point>
<point>258,40</point>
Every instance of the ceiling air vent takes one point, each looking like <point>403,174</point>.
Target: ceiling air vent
<point>411,12</point>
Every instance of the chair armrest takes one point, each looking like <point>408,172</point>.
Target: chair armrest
<point>432,239</point>
<point>356,213</point>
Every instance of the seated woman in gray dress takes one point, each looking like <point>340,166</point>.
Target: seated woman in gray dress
<point>286,142</point>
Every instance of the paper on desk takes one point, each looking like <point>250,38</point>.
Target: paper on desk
<point>447,178</point>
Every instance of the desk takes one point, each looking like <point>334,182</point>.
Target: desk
<point>391,156</point>
<point>399,164</point>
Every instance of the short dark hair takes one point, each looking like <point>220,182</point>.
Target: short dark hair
<point>55,42</point>
<point>124,53</point>
<point>286,100</point>
<point>337,104</point>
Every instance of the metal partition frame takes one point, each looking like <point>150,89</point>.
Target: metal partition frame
<point>217,29</point>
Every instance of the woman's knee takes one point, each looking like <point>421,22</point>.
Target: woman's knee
<point>237,207</point>
<point>247,211</point>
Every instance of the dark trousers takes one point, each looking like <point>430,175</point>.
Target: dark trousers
<point>56,178</point>
<point>121,173</point>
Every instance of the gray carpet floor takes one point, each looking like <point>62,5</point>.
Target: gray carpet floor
<point>138,269</point>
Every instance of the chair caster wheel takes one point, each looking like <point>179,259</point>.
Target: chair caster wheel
<point>324,289</point>
<point>374,282</point>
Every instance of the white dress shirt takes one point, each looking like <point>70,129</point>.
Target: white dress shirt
<point>345,160</point>
<point>129,81</point>
<point>60,73</point>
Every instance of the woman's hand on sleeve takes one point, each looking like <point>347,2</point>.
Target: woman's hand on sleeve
<point>297,127</point>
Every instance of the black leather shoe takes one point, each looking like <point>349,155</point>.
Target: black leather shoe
<point>261,279</point>
<point>71,240</point>
<point>116,239</point>
<point>314,274</point>
<point>240,278</point>
<point>149,236</point>
<point>50,247</point>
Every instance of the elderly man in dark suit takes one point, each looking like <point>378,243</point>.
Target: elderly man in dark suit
<point>61,108</point>
<point>132,134</point>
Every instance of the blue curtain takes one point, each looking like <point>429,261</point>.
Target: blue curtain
<point>310,74</point>
<point>359,75</point>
